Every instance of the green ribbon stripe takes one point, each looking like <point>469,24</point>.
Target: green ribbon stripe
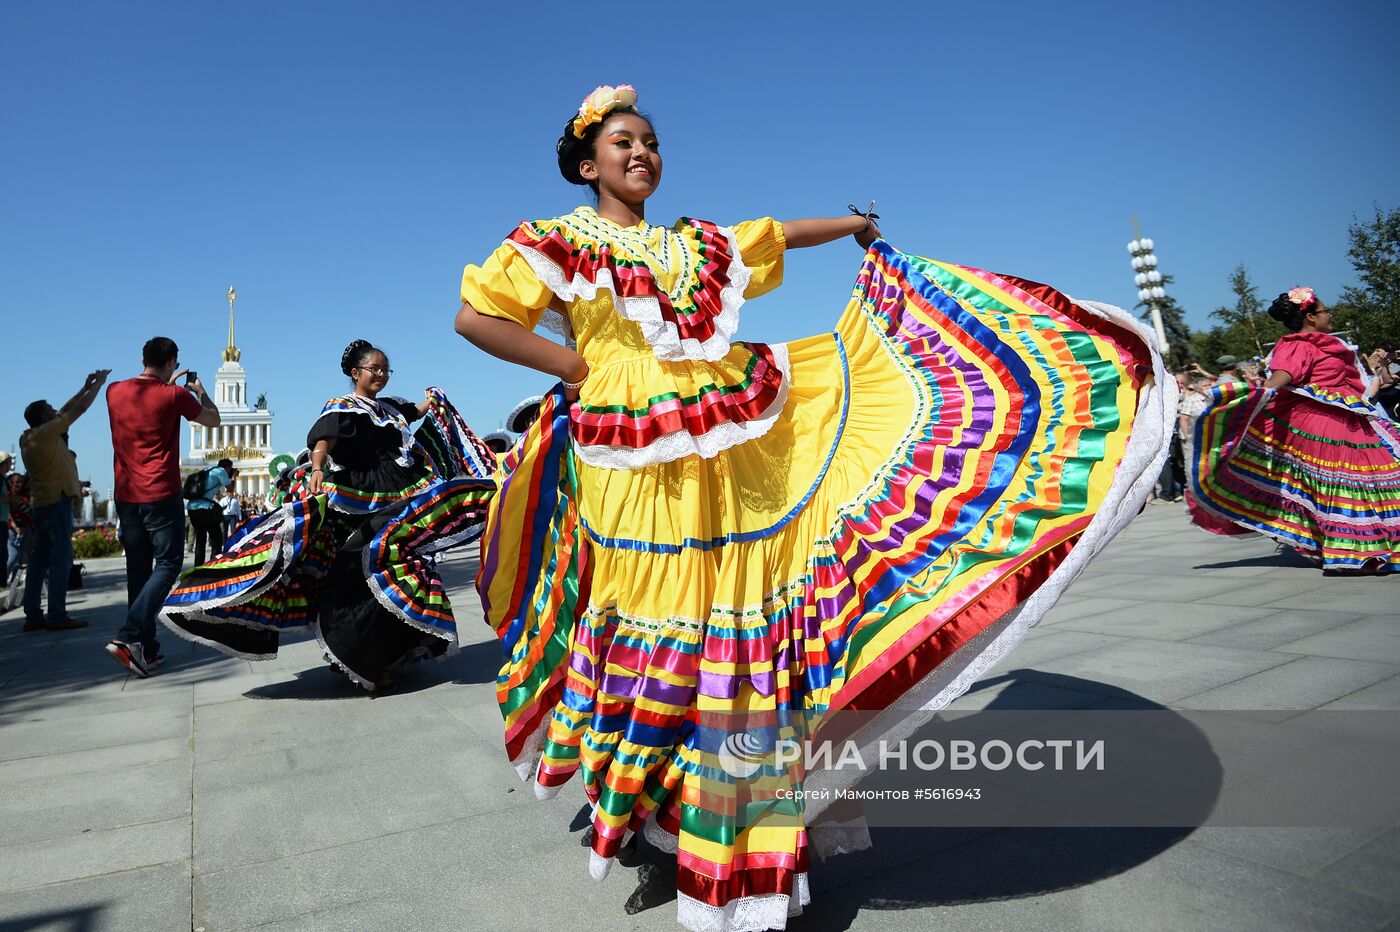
<point>687,400</point>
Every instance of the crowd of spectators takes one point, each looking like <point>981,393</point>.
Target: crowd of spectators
<point>1383,366</point>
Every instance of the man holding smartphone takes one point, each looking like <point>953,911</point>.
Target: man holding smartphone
<point>54,487</point>
<point>145,414</point>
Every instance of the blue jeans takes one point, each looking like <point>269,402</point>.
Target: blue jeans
<point>153,534</point>
<point>17,549</point>
<point>52,557</point>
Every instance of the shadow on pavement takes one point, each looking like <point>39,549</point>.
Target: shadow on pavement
<point>82,919</point>
<point>474,663</point>
<point>1284,556</point>
<point>47,669</point>
<point>915,868</point>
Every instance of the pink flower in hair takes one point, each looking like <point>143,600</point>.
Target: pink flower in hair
<point>1302,296</point>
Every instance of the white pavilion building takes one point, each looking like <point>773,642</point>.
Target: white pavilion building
<point>244,434</point>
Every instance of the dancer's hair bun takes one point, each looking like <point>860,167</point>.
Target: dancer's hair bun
<point>1286,312</point>
<point>572,151</point>
<point>354,354</point>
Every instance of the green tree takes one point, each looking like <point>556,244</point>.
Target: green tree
<point>1370,312</point>
<point>1208,345</point>
<point>1245,330</point>
<point>1174,323</point>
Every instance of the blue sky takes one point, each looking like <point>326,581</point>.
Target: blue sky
<point>340,162</point>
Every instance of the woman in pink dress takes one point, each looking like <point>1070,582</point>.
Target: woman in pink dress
<point>1304,458</point>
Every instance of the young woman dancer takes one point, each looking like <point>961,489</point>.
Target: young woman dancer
<point>702,539</point>
<point>1304,459</point>
<point>350,551</point>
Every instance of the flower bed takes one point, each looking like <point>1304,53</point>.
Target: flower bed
<point>98,542</point>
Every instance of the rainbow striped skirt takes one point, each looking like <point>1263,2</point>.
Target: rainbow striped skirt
<point>945,463</point>
<point>1313,470</point>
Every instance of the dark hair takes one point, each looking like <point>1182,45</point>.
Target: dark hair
<point>572,150</point>
<point>158,352</point>
<point>226,465</point>
<point>1289,314</point>
<point>356,353</point>
<point>33,411</point>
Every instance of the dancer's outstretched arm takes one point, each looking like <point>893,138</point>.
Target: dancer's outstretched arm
<point>816,231</point>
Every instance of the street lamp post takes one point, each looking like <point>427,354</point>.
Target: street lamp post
<point>1149,282</point>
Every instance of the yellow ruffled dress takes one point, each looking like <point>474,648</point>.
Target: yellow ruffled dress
<point>718,528</point>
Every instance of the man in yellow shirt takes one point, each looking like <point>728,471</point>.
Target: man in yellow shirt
<point>53,486</point>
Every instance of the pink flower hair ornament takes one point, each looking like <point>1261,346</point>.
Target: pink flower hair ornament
<point>1302,296</point>
<point>600,103</point>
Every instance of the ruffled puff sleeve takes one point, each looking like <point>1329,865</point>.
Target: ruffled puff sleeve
<point>333,425</point>
<point>1294,357</point>
<point>761,245</point>
<point>505,286</point>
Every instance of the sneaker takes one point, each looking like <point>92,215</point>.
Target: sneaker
<point>157,660</point>
<point>34,624</point>
<point>130,656</point>
<point>64,624</point>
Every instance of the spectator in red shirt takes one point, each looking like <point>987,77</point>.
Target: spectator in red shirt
<point>145,413</point>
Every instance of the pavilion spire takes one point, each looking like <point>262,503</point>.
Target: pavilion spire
<point>231,352</point>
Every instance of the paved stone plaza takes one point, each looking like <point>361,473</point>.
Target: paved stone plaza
<point>222,795</point>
